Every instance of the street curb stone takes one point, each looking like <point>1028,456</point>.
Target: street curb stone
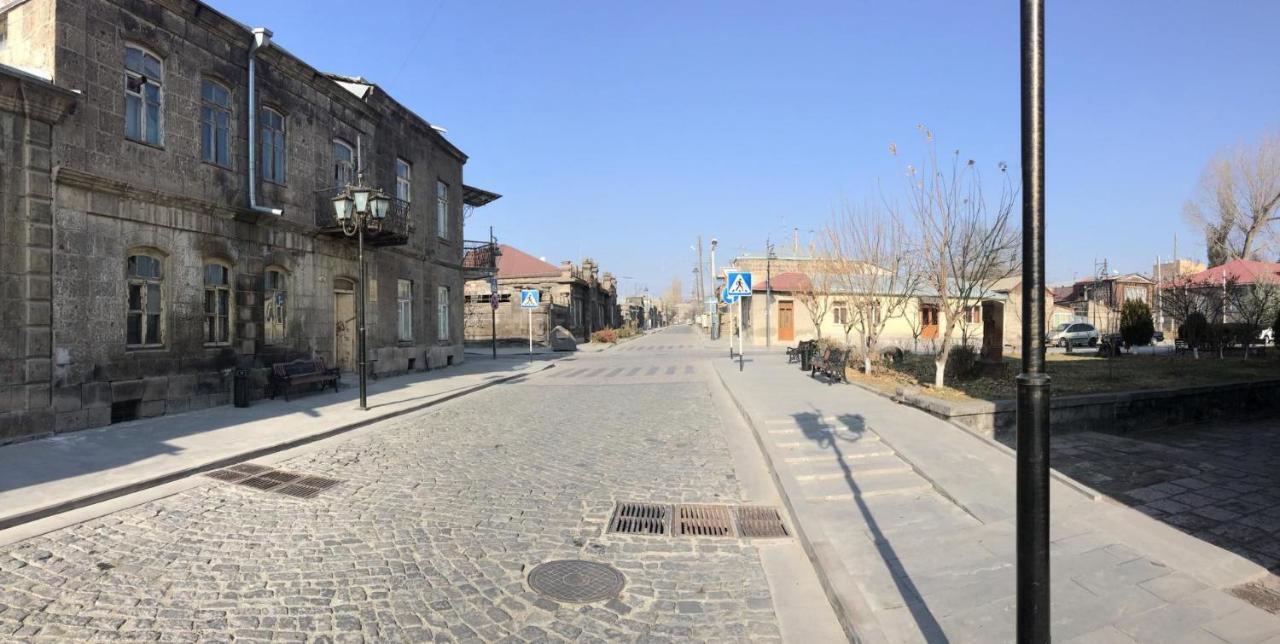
<point>137,486</point>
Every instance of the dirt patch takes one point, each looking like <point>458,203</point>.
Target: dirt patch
<point>1264,594</point>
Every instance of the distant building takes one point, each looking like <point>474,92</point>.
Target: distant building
<point>577,298</point>
<point>1169,271</point>
<point>1098,301</point>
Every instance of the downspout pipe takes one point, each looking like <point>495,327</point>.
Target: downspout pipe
<point>261,39</point>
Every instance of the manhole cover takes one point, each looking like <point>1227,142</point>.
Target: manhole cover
<point>577,582</point>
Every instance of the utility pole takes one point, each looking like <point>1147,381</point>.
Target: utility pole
<point>768,288</point>
<point>1033,383</point>
<point>715,308</point>
<point>702,278</point>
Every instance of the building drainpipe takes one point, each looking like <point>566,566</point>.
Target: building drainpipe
<point>261,39</point>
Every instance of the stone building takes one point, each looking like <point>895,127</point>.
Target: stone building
<point>166,215</point>
<point>1098,300</point>
<point>577,298</point>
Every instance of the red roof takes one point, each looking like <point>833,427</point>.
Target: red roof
<point>514,262</point>
<point>785,282</point>
<point>1244,271</point>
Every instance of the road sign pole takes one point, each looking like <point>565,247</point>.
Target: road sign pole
<point>740,350</point>
<point>530,335</point>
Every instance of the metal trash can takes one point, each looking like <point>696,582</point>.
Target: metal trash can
<point>806,358</point>
<point>240,388</point>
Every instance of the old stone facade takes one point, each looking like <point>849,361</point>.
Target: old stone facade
<point>136,275</point>
<point>577,298</point>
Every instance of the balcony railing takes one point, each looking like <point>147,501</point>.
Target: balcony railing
<point>395,227</point>
<point>479,259</point>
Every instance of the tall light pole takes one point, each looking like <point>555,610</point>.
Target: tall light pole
<point>715,308</point>
<point>1033,383</point>
<point>358,208</point>
<point>768,288</point>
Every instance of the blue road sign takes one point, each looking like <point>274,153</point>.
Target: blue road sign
<point>738,283</point>
<point>727,297</point>
<point>530,298</point>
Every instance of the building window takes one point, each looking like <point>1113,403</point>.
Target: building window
<point>404,188</point>
<point>442,313</point>
<point>275,305</point>
<point>143,96</point>
<point>272,124</point>
<point>142,324</point>
<point>929,314</point>
<point>344,167</point>
<point>442,209</point>
<point>404,298</point>
<point>215,123</point>
<point>840,313</point>
<point>974,314</point>
<point>217,304</point>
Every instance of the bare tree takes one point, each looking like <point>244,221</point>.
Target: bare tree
<point>875,264</point>
<point>965,244</point>
<point>1185,297</point>
<point>1254,306</point>
<point>1239,202</point>
<point>814,291</point>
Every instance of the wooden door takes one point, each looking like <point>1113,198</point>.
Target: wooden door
<point>928,321</point>
<point>786,322</point>
<point>344,329</point>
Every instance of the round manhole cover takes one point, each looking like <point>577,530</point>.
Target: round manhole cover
<point>575,581</point>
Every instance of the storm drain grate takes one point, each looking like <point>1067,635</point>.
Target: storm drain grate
<point>249,468</point>
<point>298,491</point>
<point>760,521</point>
<point>280,476</point>
<point>576,581</point>
<point>319,482</point>
<point>230,476</point>
<point>641,518</point>
<point>704,521</point>
<point>260,483</point>
<point>266,479</point>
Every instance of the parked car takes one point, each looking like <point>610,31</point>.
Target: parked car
<point>1267,336</point>
<point>1074,333</point>
<point>1158,336</point>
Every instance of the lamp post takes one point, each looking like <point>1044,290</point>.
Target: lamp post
<point>357,209</point>
<point>715,309</point>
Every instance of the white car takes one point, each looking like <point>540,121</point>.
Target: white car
<point>1267,336</point>
<point>1075,333</point>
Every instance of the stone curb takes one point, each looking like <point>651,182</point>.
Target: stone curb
<point>1074,485</point>
<point>852,611</point>
<point>155,481</point>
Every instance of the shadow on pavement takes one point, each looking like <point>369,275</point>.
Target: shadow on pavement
<point>818,431</point>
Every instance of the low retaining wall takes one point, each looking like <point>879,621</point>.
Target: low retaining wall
<point>1116,413</point>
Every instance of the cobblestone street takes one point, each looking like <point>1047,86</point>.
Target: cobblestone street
<point>1219,483</point>
<point>438,519</point>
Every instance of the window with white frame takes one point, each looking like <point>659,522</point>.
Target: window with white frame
<point>840,313</point>
<point>275,305</point>
<point>271,124</point>
<point>404,186</point>
<point>404,299</point>
<point>143,96</point>
<point>344,167</point>
<point>217,304</point>
<point>145,277</point>
<point>442,313</point>
<point>442,209</point>
<point>215,123</point>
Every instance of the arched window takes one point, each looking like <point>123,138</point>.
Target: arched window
<point>217,304</point>
<point>275,305</point>
<point>344,168</point>
<point>143,96</point>
<point>215,123</point>
<point>144,274</point>
<point>272,125</point>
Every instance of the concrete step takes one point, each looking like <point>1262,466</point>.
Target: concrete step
<point>864,486</point>
<point>865,466</point>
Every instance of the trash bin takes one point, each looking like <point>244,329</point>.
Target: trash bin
<point>240,388</point>
<point>806,358</point>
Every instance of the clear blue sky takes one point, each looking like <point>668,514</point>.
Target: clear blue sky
<point>621,130</point>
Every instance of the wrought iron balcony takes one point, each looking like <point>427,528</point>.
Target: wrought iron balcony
<point>479,259</point>
<point>395,230</point>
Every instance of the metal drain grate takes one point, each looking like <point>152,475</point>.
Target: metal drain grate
<point>641,518</point>
<point>704,521</point>
<point>298,491</point>
<point>576,581</point>
<point>760,521</point>
<point>320,482</point>
<point>249,468</point>
<point>260,483</point>
<point>229,476</point>
<point>280,476</point>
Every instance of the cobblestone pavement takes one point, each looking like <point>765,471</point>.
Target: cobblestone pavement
<point>439,518</point>
<point>1220,483</point>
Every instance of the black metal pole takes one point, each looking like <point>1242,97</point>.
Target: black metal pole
<point>364,290</point>
<point>1033,383</point>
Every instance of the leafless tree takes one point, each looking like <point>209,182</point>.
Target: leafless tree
<point>877,268</point>
<point>814,291</point>
<point>1254,306</point>
<point>1238,204</point>
<point>1185,297</point>
<point>965,244</point>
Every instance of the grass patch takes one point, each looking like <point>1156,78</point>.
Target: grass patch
<point>1082,374</point>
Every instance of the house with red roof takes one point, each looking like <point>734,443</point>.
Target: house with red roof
<point>576,297</point>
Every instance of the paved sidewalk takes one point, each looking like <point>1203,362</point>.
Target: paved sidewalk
<point>912,523</point>
<point>46,476</point>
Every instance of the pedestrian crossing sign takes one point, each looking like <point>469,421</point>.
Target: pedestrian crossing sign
<point>530,298</point>
<point>738,283</point>
<point>727,297</point>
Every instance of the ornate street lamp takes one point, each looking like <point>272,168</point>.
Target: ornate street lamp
<point>359,208</point>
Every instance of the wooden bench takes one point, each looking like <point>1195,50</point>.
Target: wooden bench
<point>796,353</point>
<point>301,372</point>
<point>831,363</point>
